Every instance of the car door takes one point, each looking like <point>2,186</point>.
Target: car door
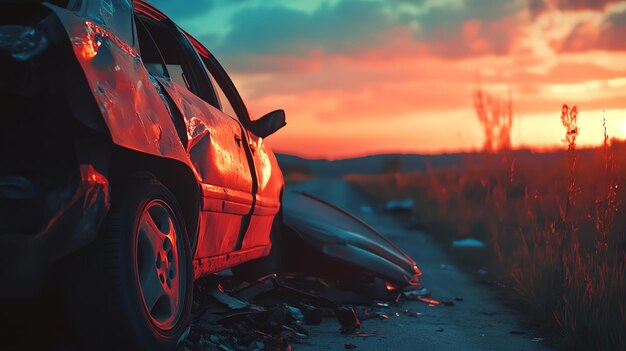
<point>214,140</point>
<point>268,193</point>
<point>268,178</point>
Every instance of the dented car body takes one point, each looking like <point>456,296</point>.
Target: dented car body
<point>128,162</point>
<point>123,135</point>
<point>129,159</point>
<point>116,69</point>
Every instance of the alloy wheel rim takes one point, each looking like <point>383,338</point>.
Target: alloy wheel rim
<point>158,265</point>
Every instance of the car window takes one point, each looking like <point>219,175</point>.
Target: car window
<point>170,55</point>
<point>226,107</point>
<point>228,94</point>
<point>178,75</point>
<point>150,54</point>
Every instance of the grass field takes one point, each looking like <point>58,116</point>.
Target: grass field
<point>555,232</point>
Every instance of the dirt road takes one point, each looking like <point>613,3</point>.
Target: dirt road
<point>478,322</point>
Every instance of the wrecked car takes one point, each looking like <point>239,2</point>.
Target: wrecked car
<point>129,159</point>
<point>130,168</point>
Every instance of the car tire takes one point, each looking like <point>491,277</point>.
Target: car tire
<point>270,264</point>
<point>132,288</point>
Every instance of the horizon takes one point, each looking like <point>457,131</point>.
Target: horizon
<point>533,150</point>
<point>405,80</point>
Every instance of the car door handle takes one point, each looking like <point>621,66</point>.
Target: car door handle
<point>238,140</point>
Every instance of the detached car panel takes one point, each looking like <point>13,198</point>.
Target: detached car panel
<point>336,233</point>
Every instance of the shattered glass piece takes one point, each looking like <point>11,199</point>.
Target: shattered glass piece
<point>391,286</point>
<point>300,331</point>
<point>469,243</point>
<point>416,294</point>
<point>229,301</point>
<point>279,316</point>
<point>428,301</point>
<point>348,319</point>
<point>296,314</point>
<point>366,314</point>
<point>22,42</point>
<point>365,334</point>
<point>262,285</point>
<point>414,314</point>
<point>405,205</point>
<point>312,315</point>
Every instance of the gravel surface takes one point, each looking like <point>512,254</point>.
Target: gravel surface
<point>474,318</point>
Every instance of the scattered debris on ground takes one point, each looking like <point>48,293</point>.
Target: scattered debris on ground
<point>273,314</point>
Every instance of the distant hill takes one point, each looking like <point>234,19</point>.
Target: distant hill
<point>375,164</point>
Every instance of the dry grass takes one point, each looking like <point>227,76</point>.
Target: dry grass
<point>556,230</point>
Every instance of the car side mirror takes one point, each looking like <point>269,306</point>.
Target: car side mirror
<point>268,124</point>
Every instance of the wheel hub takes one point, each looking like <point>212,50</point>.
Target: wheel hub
<point>158,265</point>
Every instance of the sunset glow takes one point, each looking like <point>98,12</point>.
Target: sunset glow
<point>362,77</point>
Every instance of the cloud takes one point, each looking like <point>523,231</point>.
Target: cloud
<point>587,35</point>
<point>568,72</point>
<point>472,37</point>
<point>580,5</point>
<point>346,27</point>
<point>611,36</point>
<point>174,9</point>
<point>538,7</point>
<point>470,29</point>
<point>449,29</point>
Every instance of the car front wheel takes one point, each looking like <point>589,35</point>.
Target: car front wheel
<point>131,289</point>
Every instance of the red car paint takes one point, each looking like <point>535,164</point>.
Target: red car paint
<point>238,183</point>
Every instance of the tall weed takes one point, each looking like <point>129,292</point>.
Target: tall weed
<point>556,230</point>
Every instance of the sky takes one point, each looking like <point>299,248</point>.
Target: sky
<point>359,77</point>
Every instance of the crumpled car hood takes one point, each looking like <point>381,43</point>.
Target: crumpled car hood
<point>336,233</point>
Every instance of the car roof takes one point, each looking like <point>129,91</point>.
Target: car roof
<point>154,13</point>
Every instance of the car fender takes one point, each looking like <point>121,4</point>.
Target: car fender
<point>129,101</point>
